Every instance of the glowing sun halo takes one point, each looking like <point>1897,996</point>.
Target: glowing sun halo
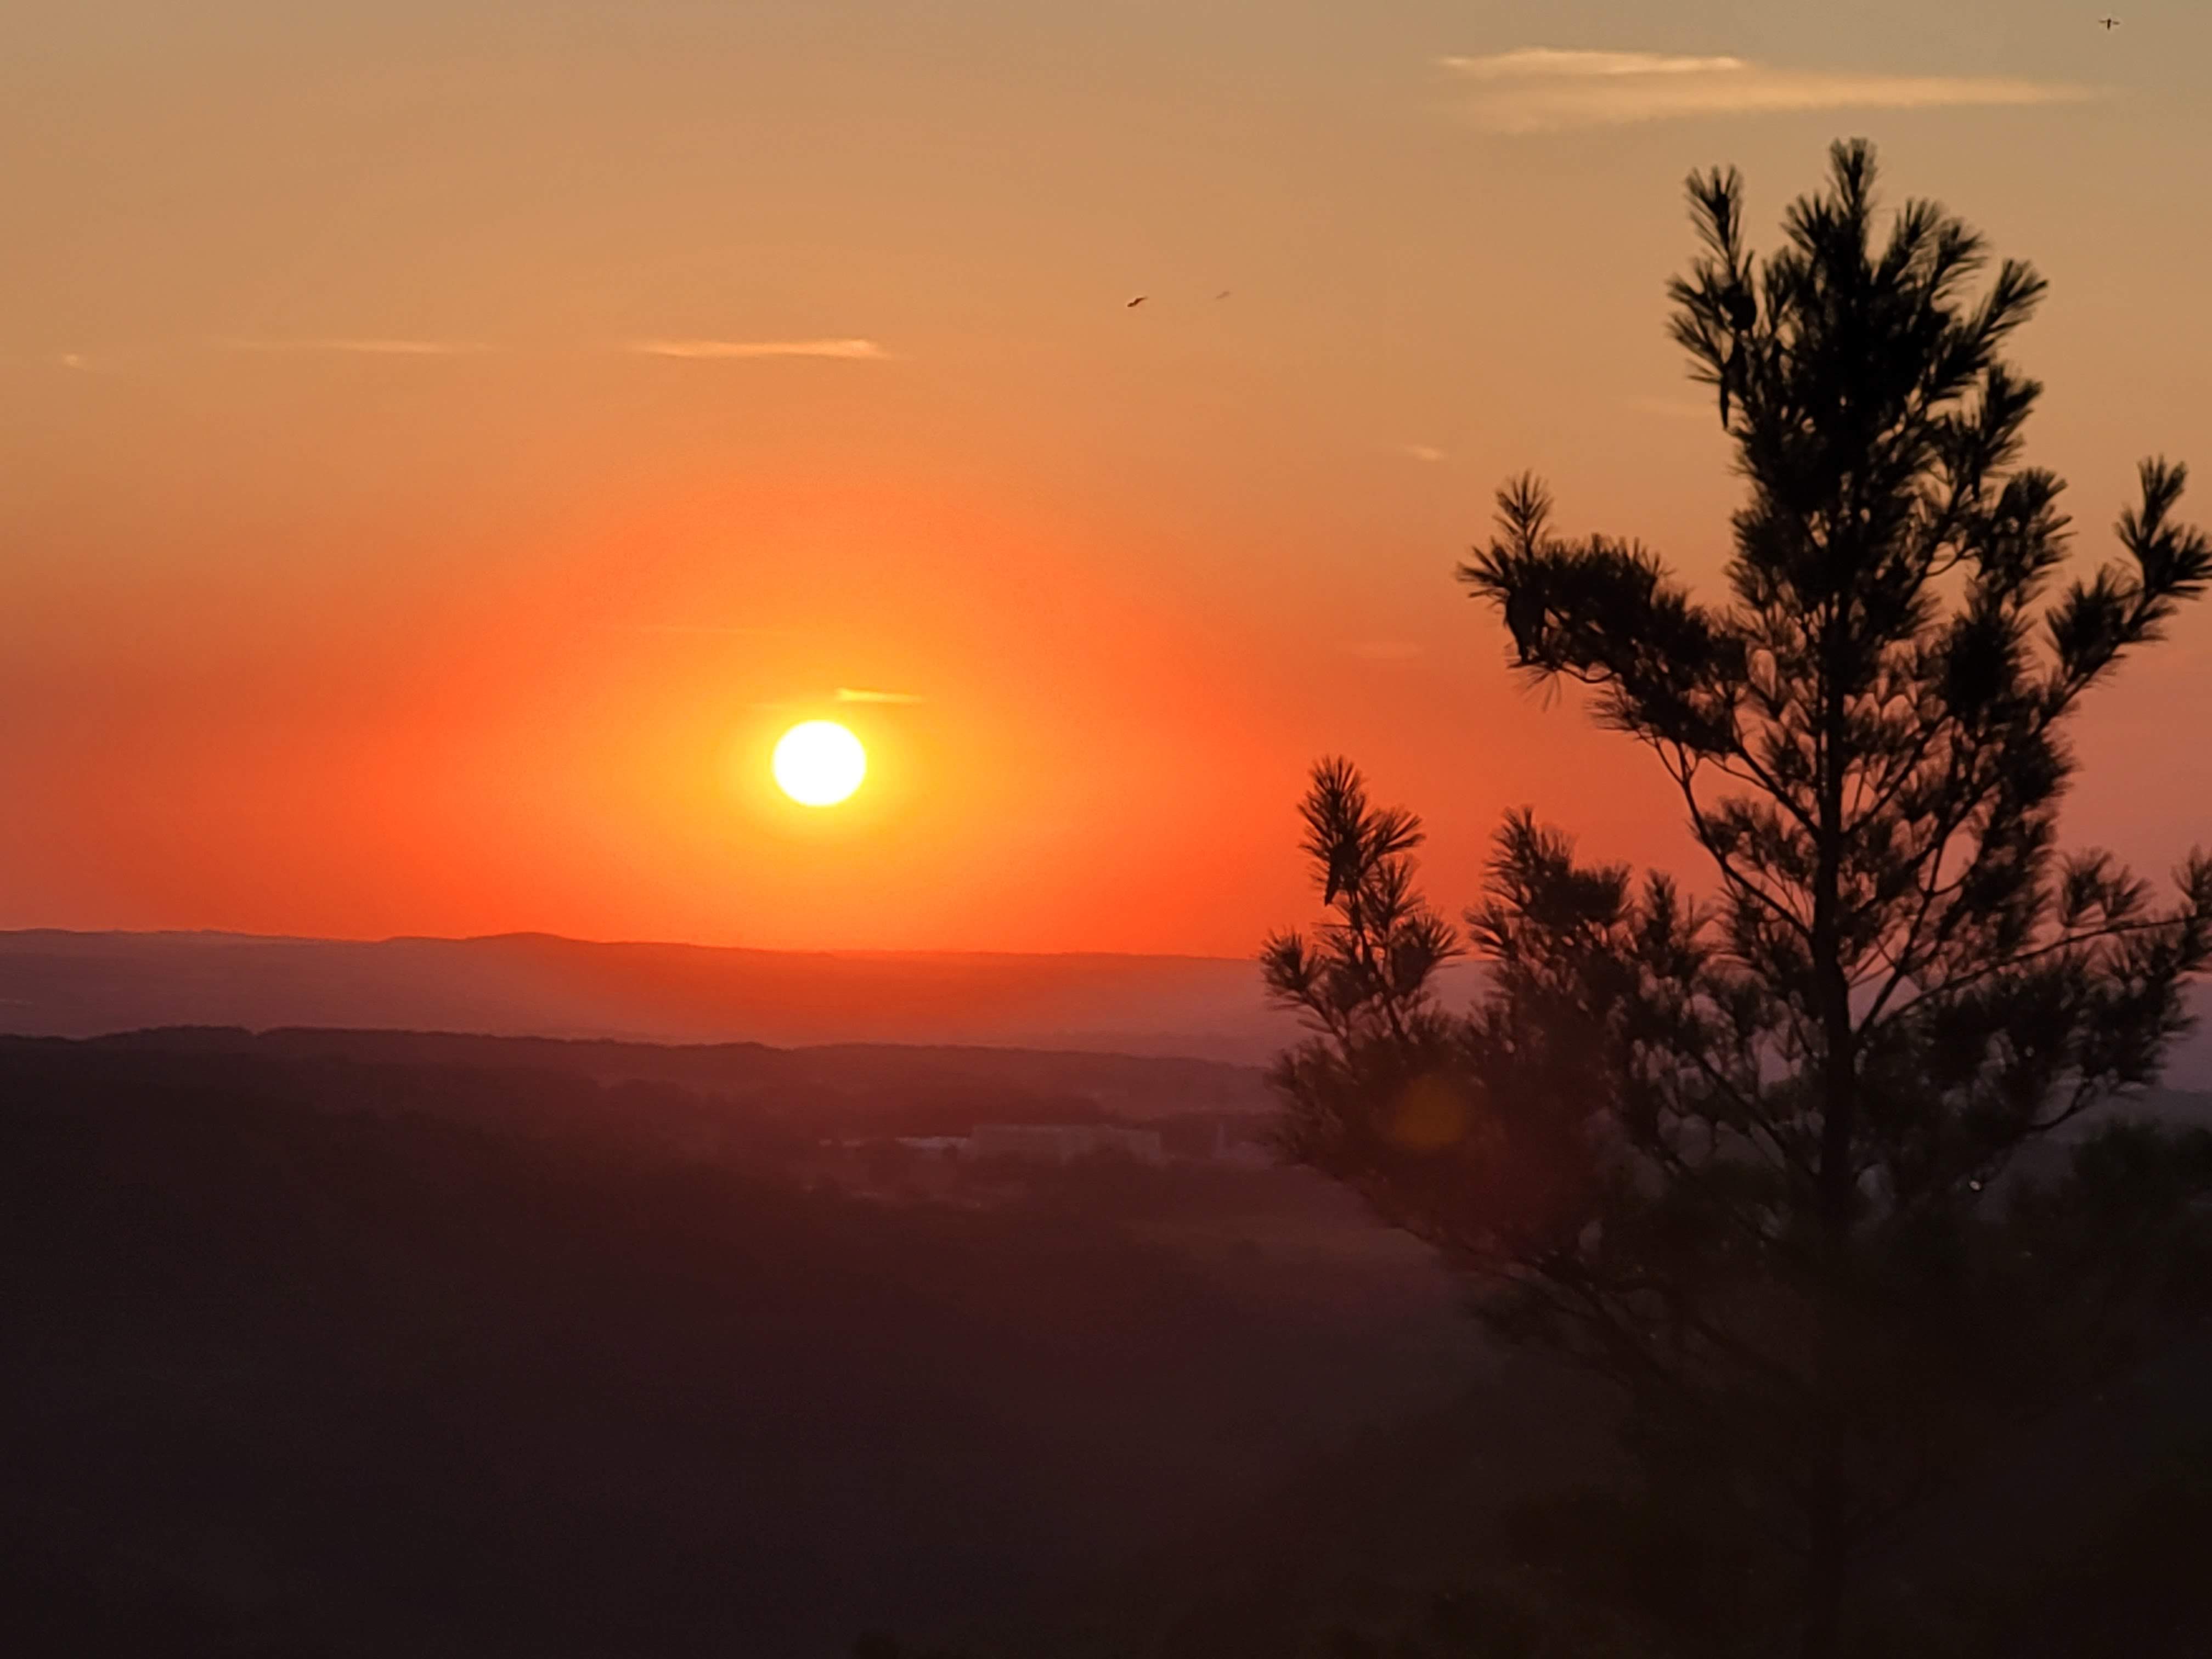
<point>819,763</point>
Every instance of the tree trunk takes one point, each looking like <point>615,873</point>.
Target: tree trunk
<point>1828,1548</point>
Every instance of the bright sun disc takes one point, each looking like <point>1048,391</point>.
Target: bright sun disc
<point>819,763</point>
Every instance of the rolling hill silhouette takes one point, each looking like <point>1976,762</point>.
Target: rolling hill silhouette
<point>55,983</point>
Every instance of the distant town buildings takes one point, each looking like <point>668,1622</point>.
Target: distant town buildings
<point>1063,1143</point>
<point>1069,1143</point>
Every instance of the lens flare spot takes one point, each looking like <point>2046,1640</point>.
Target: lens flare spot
<point>1429,1115</point>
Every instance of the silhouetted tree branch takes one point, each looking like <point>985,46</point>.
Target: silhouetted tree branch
<point>1749,1157</point>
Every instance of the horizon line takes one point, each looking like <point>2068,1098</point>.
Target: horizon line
<point>248,937</point>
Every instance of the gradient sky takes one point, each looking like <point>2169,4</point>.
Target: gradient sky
<point>441,445</point>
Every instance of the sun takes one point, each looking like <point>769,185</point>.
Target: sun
<point>819,763</point>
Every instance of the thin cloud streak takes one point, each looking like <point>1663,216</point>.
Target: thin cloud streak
<point>1532,63</point>
<point>363,348</point>
<point>1542,89</point>
<point>849,694</point>
<point>737,351</point>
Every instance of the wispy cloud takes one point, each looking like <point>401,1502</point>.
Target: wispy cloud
<point>1542,89</point>
<point>849,693</point>
<point>1530,61</point>
<point>711,351</point>
<point>75,360</point>
<point>1424,453</point>
<point>347,346</point>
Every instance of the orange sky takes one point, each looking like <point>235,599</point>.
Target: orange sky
<point>303,632</point>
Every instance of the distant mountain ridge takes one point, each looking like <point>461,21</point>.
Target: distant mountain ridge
<point>58,983</point>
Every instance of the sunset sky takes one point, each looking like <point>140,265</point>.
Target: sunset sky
<point>442,445</point>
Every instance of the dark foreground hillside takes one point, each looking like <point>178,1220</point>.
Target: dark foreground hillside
<point>315,1356</point>
<point>323,1346</point>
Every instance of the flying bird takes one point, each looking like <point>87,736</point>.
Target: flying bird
<point>2108,24</point>
<point>1134,303</point>
<point>1222,295</point>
